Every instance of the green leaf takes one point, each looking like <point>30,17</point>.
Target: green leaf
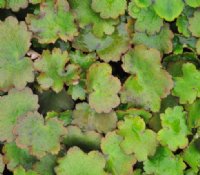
<point>148,21</point>
<point>143,3</point>
<point>193,114</point>
<point>164,162</point>
<point>108,48</point>
<point>87,119</point>
<point>86,16</point>
<point>83,60</point>
<point>12,107</point>
<point>38,136</point>
<point>21,171</point>
<point>182,24</point>
<point>109,9</point>
<point>77,162</point>
<point>53,72</point>
<point>138,140</point>
<point>15,156</point>
<point>149,82</point>
<point>192,156</point>
<point>187,87</point>
<point>53,21</point>
<point>15,69</point>
<point>174,126</point>
<point>193,3</point>
<point>168,9</point>
<point>78,91</point>
<point>103,88</point>
<point>194,24</point>
<point>162,41</point>
<point>15,5</point>
<point>87,140</point>
<point>45,166</point>
<point>118,163</point>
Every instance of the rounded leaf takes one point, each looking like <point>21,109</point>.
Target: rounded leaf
<point>168,9</point>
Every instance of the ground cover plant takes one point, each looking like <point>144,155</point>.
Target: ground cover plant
<point>100,87</point>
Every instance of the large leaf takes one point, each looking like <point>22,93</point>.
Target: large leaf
<point>168,9</point>
<point>118,162</point>
<point>187,87</point>
<point>12,107</point>
<point>38,136</point>
<point>103,88</point>
<point>174,126</point>
<point>77,162</point>
<point>53,21</point>
<point>164,162</point>
<point>138,140</point>
<point>148,82</point>
<point>15,69</point>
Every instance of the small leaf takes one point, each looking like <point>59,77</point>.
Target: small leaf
<point>86,16</point>
<point>143,3</point>
<point>168,9</point>
<point>12,107</point>
<point>83,60</point>
<point>103,88</point>
<point>87,119</point>
<point>118,162</point>
<point>15,156</point>
<point>109,9</point>
<point>77,162</point>
<point>38,136</point>
<point>162,41</point>
<point>187,87</point>
<point>15,69</point>
<point>138,140</point>
<point>52,68</point>
<point>21,171</point>
<point>149,82</point>
<point>52,22</point>
<point>174,126</point>
<point>164,162</point>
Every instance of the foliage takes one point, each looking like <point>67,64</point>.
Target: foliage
<point>100,87</point>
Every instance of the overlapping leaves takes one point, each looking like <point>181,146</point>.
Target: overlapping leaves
<point>100,87</point>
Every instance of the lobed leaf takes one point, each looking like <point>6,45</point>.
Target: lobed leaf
<point>38,136</point>
<point>103,88</point>
<point>53,21</point>
<point>90,164</point>
<point>15,69</point>
<point>12,107</point>
<point>164,162</point>
<point>109,9</point>
<point>118,162</point>
<point>138,140</point>
<point>148,82</point>
<point>174,126</point>
<point>186,86</point>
